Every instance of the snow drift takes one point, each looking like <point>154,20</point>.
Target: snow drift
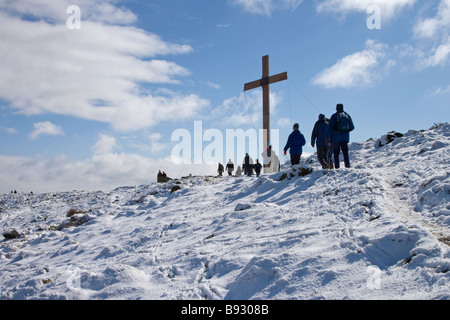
<point>380,230</point>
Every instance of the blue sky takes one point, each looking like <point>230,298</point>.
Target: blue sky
<point>95,107</point>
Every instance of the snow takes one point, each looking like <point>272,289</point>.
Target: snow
<point>380,230</point>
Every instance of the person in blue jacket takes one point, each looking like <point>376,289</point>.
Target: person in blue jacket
<point>341,124</point>
<point>295,143</point>
<point>319,138</point>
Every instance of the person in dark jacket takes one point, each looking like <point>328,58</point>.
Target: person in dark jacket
<point>247,165</point>
<point>220,169</point>
<point>257,168</point>
<point>295,143</point>
<point>319,138</point>
<point>230,167</point>
<point>339,137</point>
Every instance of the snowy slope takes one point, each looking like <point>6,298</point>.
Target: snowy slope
<point>380,230</point>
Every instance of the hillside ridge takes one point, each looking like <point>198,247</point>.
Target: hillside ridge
<point>379,230</point>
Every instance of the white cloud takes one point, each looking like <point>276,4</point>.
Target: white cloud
<point>358,69</point>
<point>266,7</point>
<point>430,27</point>
<point>8,130</point>
<point>430,48</point>
<point>105,144</point>
<point>442,91</point>
<point>439,56</point>
<point>211,84</point>
<point>284,123</point>
<point>47,68</point>
<point>105,170</point>
<point>54,11</point>
<point>101,172</point>
<point>434,30</point>
<point>147,111</point>
<point>45,128</point>
<point>155,145</point>
<point>389,8</point>
<point>244,110</point>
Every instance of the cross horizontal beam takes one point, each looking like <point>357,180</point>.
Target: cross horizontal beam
<point>266,81</point>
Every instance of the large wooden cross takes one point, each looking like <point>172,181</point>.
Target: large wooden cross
<point>265,83</point>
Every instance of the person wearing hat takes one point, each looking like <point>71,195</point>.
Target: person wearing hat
<point>319,138</point>
<point>341,124</point>
<point>295,143</point>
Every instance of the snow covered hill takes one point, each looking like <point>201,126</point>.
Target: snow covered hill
<point>380,230</point>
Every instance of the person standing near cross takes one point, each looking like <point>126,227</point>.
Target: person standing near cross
<point>295,143</point>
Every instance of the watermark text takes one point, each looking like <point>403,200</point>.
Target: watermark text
<point>213,146</point>
<point>374,17</point>
<point>73,22</point>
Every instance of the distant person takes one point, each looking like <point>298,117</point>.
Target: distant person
<point>295,143</point>
<point>257,168</point>
<point>230,167</point>
<point>247,165</point>
<point>341,124</point>
<point>320,139</point>
<point>220,169</point>
<point>238,172</point>
<point>162,177</point>
<point>271,162</point>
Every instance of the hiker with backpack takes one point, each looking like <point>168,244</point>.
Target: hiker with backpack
<point>319,138</point>
<point>295,143</point>
<point>341,124</point>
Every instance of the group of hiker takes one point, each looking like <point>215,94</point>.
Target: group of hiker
<point>247,167</point>
<point>162,177</point>
<point>330,136</point>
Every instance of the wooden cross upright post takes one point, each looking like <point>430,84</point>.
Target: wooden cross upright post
<point>265,83</point>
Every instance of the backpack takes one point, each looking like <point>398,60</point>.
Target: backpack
<point>343,122</point>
